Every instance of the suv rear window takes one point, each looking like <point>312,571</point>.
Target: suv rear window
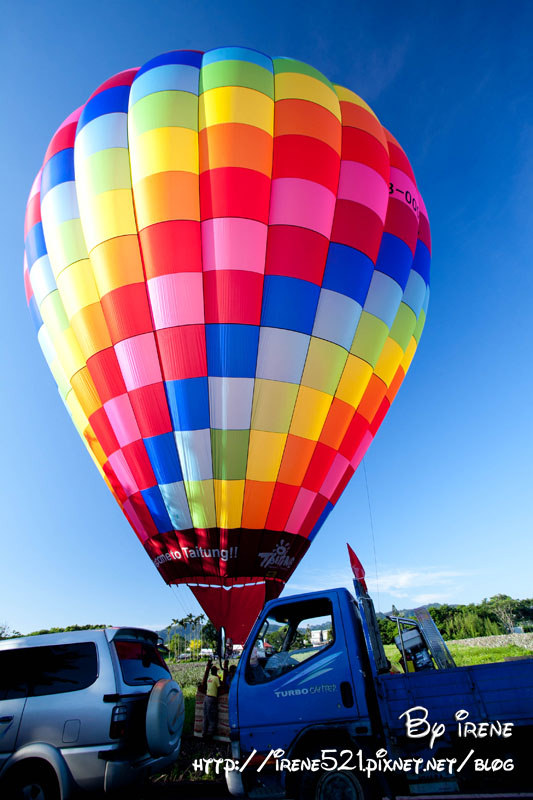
<point>140,662</point>
<point>52,669</point>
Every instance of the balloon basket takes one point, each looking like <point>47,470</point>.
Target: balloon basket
<point>222,732</point>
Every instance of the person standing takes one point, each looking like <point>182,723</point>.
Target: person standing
<point>211,704</point>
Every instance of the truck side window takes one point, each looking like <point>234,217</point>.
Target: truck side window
<point>13,683</point>
<point>289,637</point>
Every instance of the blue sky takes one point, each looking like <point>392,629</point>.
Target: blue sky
<point>449,473</point>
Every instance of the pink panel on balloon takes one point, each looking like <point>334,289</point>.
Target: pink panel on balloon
<point>295,201</point>
<point>234,243</point>
<point>176,299</point>
<point>301,507</point>
<point>361,450</point>
<point>139,361</point>
<point>123,472</point>
<point>362,184</point>
<point>122,419</point>
<point>135,521</point>
<point>334,476</point>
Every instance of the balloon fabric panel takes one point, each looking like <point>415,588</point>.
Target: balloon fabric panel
<point>227,263</point>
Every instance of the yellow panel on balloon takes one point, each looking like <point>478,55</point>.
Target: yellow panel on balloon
<point>228,501</point>
<point>351,97</point>
<point>77,288</point>
<point>236,104</point>
<point>76,412</point>
<point>310,413</point>
<point>273,405</point>
<point>69,352</point>
<point>117,263</point>
<point>354,380</point>
<point>264,455</point>
<point>305,87</point>
<point>109,214</point>
<point>86,392</point>
<point>164,150</point>
<point>167,196</point>
<point>91,330</point>
<point>389,361</point>
<point>409,353</point>
<point>201,500</point>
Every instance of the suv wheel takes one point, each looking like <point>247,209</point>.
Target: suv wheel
<point>32,782</point>
<point>164,717</point>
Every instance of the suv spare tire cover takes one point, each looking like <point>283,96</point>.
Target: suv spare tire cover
<point>164,717</point>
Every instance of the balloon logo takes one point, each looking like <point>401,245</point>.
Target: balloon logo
<point>227,261</point>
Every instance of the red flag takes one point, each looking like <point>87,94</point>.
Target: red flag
<point>357,567</point>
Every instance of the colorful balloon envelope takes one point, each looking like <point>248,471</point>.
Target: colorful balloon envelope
<point>227,261</point>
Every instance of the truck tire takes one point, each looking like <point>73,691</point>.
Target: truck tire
<point>338,785</point>
<point>35,781</point>
<point>164,717</point>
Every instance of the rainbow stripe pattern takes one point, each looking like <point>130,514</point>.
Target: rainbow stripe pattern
<point>227,262</point>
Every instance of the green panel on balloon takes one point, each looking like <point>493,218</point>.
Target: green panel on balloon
<point>164,110</point>
<point>403,326</point>
<point>230,454</point>
<point>273,405</point>
<point>420,325</point>
<point>324,365</point>
<point>290,65</point>
<point>369,338</point>
<point>53,310</point>
<point>108,169</point>
<point>72,244</point>
<point>201,499</point>
<point>236,73</point>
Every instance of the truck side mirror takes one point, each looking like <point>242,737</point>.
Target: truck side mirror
<point>220,650</point>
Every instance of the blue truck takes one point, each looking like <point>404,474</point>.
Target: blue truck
<point>316,713</point>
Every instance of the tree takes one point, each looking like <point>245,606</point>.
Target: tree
<point>505,609</point>
<point>7,633</point>
<point>209,634</point>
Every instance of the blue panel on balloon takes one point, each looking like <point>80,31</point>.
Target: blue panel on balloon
<point>106,102</point>
<point>237,54</point>
<point>289,303</point>
<point>156,507</point>
<point>35,314</point>
<point>164,458</point>
<point>188,403</point>
<point>422,261</point>
<point>322,518</point>
<point>231,350</point>
<point>35,245</point>
<point>394,259</point>
<point>58,169</point>
<point>348,272</point>
<point>192,58</point>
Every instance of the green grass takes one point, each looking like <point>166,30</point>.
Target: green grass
<point>465,656</point>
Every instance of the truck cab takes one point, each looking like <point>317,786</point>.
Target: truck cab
<point>315,711</point>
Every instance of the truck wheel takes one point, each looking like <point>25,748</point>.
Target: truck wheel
<point>338,785</point>
<point>27,782</point>
<point>164,717</point>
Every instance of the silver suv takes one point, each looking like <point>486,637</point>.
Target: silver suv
<point>93,710</point>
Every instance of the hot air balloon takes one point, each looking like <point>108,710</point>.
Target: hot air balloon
<point>227,261</point>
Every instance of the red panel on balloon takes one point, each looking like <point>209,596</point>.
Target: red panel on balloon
<point>139,464</point>
<point>307,158</point>
<point>296,253</point>
<point>103,431</point>
<point>234,192</point>
<point>358,145</point>
<point>233,296</point>
<point>106,374</point>
<point>182,352</point>
<point>280,507</point>
<point>357,226</point>
<point>127,312</point>
<point>149,405</point>
<point>318,468</point>
<point>170,247</point>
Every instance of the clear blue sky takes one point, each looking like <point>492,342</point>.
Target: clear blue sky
<point>449,473</point>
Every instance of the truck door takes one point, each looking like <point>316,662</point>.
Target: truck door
<point>296,675</point>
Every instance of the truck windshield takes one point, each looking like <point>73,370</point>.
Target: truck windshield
<point>289,637</point>
<point>140,663</point>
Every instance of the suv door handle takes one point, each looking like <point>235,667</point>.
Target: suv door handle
<point>6,719</point>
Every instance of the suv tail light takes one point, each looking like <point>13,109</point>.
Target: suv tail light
<point>119,718</point>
